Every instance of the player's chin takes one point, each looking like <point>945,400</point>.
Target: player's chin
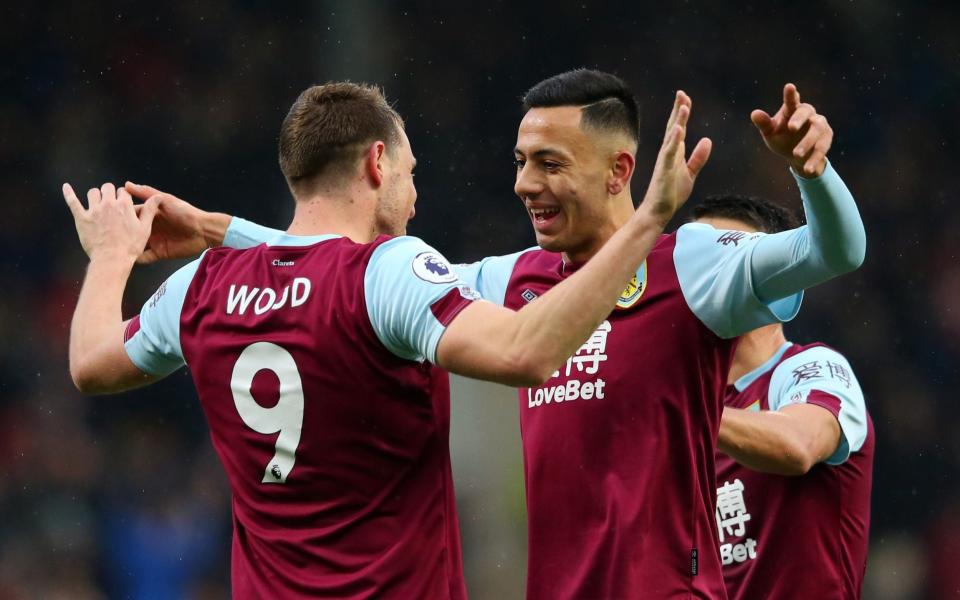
<point>550,242</point>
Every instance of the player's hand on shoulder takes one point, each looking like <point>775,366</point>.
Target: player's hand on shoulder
<point>110,228</point>
<point>797,133</point>
<point>180,230</point>
<point>673,174</point>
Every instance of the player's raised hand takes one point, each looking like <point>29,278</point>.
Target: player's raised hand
<point>109,227</point>
<point>797,133</point>
<point>177,231</point>
<point>674,174</point>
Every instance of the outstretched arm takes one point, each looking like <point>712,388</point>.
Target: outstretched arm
<point>113,236</point>
<point>181,230</point>
<point>834,241</point>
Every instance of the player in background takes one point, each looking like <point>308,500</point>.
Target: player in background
<point>316,355</point>
<point>796,453</point>
<point>619,443</point>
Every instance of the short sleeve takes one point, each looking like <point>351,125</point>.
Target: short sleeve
<point>412,294</point>
<point>490,276</point>
<point>714,270</point>
<point>243,234</point>
<point>822,376</point>
<point>152,338</point>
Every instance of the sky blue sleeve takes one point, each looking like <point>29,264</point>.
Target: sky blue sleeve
<point>823,376</point>
<point>736,281</point>
<point>155,347</point>
<point>246,234</point>
<point>490,276</point>
<point>832,242</point>
<point>714,269</point>
<point>407,285</point>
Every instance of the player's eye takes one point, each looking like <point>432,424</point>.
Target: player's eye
<point>518,163</point>
<point>549,165</point>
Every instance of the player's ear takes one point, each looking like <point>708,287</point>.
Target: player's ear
<point>373,162</point>
<point>621,170</point>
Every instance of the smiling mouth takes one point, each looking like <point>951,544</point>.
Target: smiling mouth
<point>542,215</point>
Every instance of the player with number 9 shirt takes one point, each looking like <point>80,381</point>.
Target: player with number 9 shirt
<point>317,355</point>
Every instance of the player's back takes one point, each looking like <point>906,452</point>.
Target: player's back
<point>336,449</point>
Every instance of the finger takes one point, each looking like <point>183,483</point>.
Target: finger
<point>93,198</point>
<point>149,211</point>
<point>791,97</point>
<point>108,192</point>
<point>141,191</point>
<point>763,122</point>
<point>673,143</point>
<point>73,203</point>
<point>124,196</point>
<point>699,156</point>
<point>819,154</point>
<point>813,133</point>
<point>681,99</point>
<point>801,117</point>
<point>683,116</point>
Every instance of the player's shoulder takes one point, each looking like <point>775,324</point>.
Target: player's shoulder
<point>803,353</point>
<point>406,254</point>
<point>810,364</point>
<point>702,234</point>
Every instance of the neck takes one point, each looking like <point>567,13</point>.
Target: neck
<point>349,213</point>
<point>621,209</point>
<point>754,349</point>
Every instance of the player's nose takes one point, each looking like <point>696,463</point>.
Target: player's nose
<point>527,185</point>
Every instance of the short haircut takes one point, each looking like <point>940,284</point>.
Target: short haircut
<point>762,214</point>
<point>608,104</point>
<point>329,128</point>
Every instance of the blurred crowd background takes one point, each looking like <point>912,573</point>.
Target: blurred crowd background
<point>122,497</point>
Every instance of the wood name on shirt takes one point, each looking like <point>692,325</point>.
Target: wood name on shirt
<point>264,299</point>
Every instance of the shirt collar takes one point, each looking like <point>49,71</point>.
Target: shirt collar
<point>745,381</point>
<point>285,239</point>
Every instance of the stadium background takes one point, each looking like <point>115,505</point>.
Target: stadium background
<point>122,497</point>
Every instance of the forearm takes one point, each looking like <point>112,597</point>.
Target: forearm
<point>97,329</point>
<point>786,442</point>
<point>761,441</point>
<point>832,243</point>
<point>215,228</point>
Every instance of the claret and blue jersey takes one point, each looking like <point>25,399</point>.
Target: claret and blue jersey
<point>821,519</point>
<point>311,357</point>
<point>619,445</point>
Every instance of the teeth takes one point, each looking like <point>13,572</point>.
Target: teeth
<point>543,213</point>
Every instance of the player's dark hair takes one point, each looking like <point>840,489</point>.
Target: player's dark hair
<point>329,128</point>
<point>762,214</point>
<point>608,104</point>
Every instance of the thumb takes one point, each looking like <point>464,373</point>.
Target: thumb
<point>140,191</point>
<point>762,121</point>
<point>148,211</point>
<point>699,156</point>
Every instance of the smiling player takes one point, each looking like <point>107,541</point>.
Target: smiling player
<point>619,443</point>
<point>316,355</point>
